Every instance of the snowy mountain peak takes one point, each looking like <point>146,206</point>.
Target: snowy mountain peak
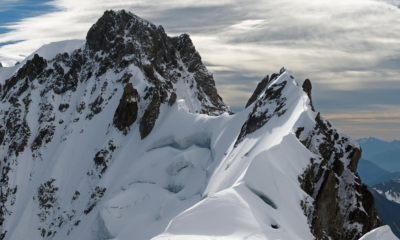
<point>126,136</point>
<point>370,139</point>
<point>120,39</point>
<point>390,189</point>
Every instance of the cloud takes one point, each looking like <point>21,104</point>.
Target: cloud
<point>381,121</point>
<point>8,60</point>
<point>348,48</point>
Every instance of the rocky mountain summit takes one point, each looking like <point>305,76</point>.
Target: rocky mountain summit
<point>390,190</point>
<point>126,136</point>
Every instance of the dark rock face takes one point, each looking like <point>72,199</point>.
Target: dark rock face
<point>330,178</point>
<point>107,36</point>
<point>63,107</point>
<point>96,106</point>
<point>127,111</point>
<point>327,204</point>
<point>260,87</point>
<point>307,87</point>
<point>31,70</point>
<point>172,99</point>
<point>45,135</point>
<point>267,107</point>
<point>1,65</point>
<point>150,115</point>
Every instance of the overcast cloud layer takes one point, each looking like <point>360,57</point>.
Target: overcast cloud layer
<point>349,49</point>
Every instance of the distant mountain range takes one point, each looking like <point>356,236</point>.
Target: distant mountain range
<point>386,155</point>
<point>389,160</point>
<point>387,202</point>
<point>390,190</point>
<point>389,211</point>
<point>379,168</point>
<point>370,172</point>
<point>386,178</point>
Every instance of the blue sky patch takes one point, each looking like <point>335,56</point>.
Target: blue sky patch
<point>13,11</point>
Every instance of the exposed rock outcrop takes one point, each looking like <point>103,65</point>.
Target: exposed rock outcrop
<point>270,105</point>
<point>307,87</point>
<point>260,87</point>
<point>127,111</point>
<point>150,115</point>
<point>342,204</point>
<point>170,60</point>
<point>30,71</point>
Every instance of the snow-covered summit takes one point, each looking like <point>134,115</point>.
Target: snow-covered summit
<point>120,39</point>
<point>390,189</point>
<point>126,136</point>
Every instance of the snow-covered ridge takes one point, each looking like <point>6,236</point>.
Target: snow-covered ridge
<point>126,136</point>
<point>48,52</point>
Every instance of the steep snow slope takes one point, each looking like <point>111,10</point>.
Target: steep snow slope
<point>126,136</point>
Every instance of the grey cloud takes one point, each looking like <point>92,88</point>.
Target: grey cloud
<point>349,49</point>
<point>198,20</point>
<point>329,101</point>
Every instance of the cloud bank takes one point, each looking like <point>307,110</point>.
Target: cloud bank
<point>349,49</point>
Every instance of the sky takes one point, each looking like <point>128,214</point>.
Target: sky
<point>350,50</point>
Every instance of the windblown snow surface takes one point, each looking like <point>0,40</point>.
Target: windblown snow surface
<point>186,180</point>
<point>382,233</point>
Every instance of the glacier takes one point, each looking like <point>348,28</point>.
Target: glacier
<point>123,136</point>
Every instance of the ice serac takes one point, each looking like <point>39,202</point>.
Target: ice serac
<point>124,135</point>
